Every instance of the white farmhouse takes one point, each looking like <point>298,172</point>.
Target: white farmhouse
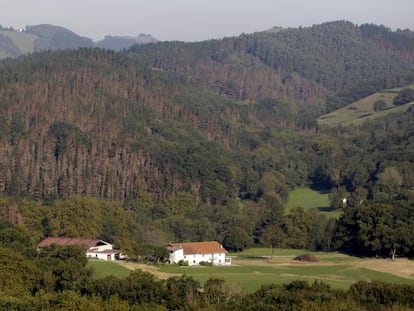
<point>95,249</point>
<point>196,252</point>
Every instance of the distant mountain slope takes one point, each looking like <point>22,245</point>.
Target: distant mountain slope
<point>118,43</point>
<point>23,40</point>
<point>7,46</point>
<point>50,37</point>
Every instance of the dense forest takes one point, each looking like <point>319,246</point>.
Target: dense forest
<point>176,141</point>
<point>150,128</point>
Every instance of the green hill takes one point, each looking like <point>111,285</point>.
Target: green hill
<point>186,136</point>
<point>363,109</point>
<point>46,37</point>
<point>220,119</point>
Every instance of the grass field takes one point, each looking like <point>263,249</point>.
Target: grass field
<point>106,268</point>
<point>311,199</point>
<point>251,275</point>
<point>338,270</point>
<point>362,110</point>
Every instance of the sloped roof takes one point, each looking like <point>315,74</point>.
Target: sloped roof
<point>192,248</point>
<point>85,243</point>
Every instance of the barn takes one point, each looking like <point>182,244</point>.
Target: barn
<point>195,253</point>
<point>96,249</point>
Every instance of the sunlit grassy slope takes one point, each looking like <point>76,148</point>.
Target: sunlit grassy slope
<point>363,110</point>
<point>311,199</point>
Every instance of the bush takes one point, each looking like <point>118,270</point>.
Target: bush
<point>404,97</point>
<point>379,105</point>
<point>306,257</point>
<point>183,263</point>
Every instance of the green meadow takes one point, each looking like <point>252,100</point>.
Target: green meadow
<point>363,110</point>
<point>254,267</point>
<point>311,199</point>
<point>251,277</point>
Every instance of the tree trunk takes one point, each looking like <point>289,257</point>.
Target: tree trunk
<point>393,252</point>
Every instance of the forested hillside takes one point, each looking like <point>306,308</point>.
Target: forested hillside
<point>304,64</point>
<point>204,140</point>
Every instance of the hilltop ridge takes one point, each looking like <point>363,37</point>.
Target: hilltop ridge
<point>46,37</point>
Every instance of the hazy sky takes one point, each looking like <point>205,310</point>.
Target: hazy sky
<point>192,20</point>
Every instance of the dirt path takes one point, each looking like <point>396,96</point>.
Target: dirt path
<point>147,268</point>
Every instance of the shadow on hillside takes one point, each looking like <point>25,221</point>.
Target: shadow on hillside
<point>320,190</point>
<point>325,209</point>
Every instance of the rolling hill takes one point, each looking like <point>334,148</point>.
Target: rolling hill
<point>306,64</point>
<point>174,141</point>
<point>220,119</point>
<point>46,37</point>
<point>362,110</point>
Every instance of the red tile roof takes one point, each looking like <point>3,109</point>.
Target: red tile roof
<point>192,248</point>
<point>85,243</point>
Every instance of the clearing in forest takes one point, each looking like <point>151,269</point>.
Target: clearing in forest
<point>311,199</point>
<point>362,110</point>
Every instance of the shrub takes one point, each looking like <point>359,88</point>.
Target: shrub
<point>306,257</point>
<point>183,263</point>
<point>404,97</point>
<point>379,105</point>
